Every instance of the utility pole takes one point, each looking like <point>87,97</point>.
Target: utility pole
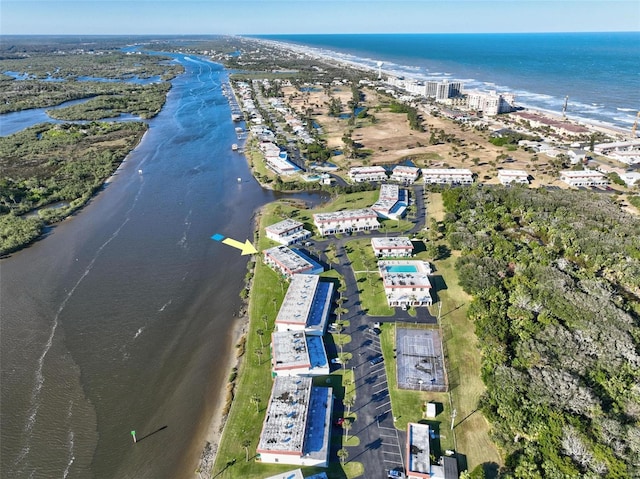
<point>453,418</point>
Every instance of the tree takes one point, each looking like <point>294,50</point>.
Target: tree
<point>346,426</point>
<point>255,400</point>
<point>349,402</point>
<point>259,355</point>
<point>343,454</point>
<point>246,443</point>
<point>260,333</point>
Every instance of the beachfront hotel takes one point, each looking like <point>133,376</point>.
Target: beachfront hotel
<point>395,247</point>
<point>392,202</point>
<point>294,353</point>
<point>290,261</point>
<point>490,103</point>
<point>360,174</point>
<point>346,221</point>
<point>297,426</point>
<point>306,305</point>
<point>583,178</point>
<point>507,177</point>
<point>450,176</point>
<point>418,453</point>
<point>406,282</point>
<point>287,232</point>
<point>405,174</point>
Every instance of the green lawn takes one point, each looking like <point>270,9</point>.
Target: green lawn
<point>364,264</point>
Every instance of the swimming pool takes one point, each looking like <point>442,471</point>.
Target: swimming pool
<point>402,268</point>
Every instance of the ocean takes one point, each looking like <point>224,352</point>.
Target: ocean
<point>599,72</point>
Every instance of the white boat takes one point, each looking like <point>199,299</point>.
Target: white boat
<point>239,180</point>
<point>234,147</point>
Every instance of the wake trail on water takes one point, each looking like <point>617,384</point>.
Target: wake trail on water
<point>34,404</point>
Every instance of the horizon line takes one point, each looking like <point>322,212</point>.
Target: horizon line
<point>305,33</point>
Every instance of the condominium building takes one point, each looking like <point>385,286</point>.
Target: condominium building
<point>583,178</point>
<point>452,176</point>
<point>290,261</point>
<point>490,103</point>
<point>394,247</point>
<point>513,176</point>
<point>406,283</point>
<point>361,174</point>
<point>306,305</point>
<point>392,202</point>
<point>405,174</point>
<point>294,353</point>
<point>346,221</point>
<point>297,425</point>
<point>287,232</point>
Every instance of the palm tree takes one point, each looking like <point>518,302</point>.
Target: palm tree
<point>260,333</point>
<point>259,355</point>
<point>246,443</point>
<point>346,425</point>
<point>349,402</point>
<point>255,399</point>
<point>343,454</point>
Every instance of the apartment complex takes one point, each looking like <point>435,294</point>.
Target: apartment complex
<point>405,174</point>
<point>406,283</point>
<point>392,202</point>
<point>444,176</point>
<point>294,353</point>
<point>583,178</point>
<point>297,426</point>
<point>306,305</point>
<point>290,261</point>
<point>346,221</point>
<point>287,232</point>
<point>361,174</point>
<point>395,247</point>
<point>513,176</point>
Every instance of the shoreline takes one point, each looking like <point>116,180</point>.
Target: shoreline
<point>218,420</point>
<point>357,63</point>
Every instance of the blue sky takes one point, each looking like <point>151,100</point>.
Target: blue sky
<point>315,16</point>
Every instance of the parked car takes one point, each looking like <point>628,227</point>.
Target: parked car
<point>396,473</point>
<point>336,361</point>
<point>376,360</point>
<point>339,421</point>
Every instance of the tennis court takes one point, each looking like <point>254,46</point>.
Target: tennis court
<point>419,360</point>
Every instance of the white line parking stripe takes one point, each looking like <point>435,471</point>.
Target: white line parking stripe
<point>383,405</point>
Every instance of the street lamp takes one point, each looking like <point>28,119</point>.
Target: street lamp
<point>420,381</point>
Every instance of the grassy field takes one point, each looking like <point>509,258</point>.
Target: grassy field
<point>363,262</point>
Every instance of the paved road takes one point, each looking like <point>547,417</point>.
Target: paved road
<point>381,444</point>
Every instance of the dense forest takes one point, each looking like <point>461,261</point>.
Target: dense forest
<point>555,279</point>
<point>49,163</point>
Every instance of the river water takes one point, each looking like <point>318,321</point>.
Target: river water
<point>119,319</point>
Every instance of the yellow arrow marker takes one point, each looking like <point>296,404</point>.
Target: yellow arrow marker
<point>246,247</point>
